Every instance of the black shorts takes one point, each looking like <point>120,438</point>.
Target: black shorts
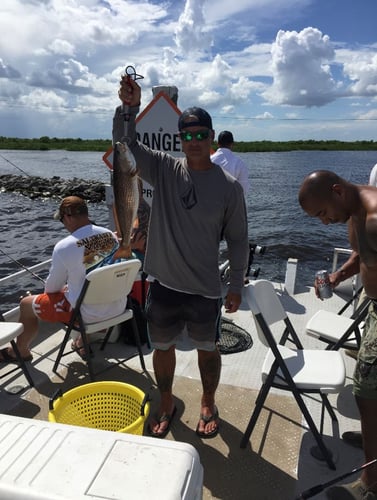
<point>182,319</point>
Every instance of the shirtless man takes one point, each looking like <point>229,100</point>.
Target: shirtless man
<point>325,195</point>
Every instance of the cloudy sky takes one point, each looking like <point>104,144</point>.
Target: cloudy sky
<point>265,69</point>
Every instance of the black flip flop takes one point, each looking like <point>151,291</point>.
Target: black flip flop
<point>206,419</point>
<point>7,358</point>
<point>164,418</point>
<point>82,355</point>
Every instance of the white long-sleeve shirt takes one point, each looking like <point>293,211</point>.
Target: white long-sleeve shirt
<point>233,164</point>
<point>373,176</point>
<point>72,258</point>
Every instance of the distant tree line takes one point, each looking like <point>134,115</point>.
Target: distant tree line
<point>48,143</point>
<point>263,146</point>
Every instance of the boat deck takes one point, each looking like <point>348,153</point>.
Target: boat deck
<point>277,463</point>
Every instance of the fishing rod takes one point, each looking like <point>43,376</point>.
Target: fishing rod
<point>311,492</point>
<point>22,266</point>
<point>18,168</point>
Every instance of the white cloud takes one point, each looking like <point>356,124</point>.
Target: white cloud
<point>231,57</point>
<point>264,116</point>
<point>62,47</point>
<point>6,71</point>
<point>45,101</point>
<point>301,69</point>
<point>68,75</point>
<point>189,33</point>
<point>362,70</point>
<point>370,115</point>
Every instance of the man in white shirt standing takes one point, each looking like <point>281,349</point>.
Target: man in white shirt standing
<point>227,160</point>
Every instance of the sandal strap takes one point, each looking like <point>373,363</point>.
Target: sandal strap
<point>209,418</point>
<point>164,418</point>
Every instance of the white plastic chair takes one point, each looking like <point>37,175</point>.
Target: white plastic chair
<point>296,370</point>
<point>103,286</point>
<point>9,331</point>
<point>337,330</point>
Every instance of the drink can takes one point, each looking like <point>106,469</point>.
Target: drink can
<point>323,284</point>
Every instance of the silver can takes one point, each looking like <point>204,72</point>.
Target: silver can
<point>323,284</point>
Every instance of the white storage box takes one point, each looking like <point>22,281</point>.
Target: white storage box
<point>50,461</point>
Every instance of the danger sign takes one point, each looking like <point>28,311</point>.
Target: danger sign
<point>156,128</point>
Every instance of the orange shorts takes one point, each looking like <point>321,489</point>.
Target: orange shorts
<point>52,307</point>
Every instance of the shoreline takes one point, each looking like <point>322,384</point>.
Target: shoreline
<point>102,145</point>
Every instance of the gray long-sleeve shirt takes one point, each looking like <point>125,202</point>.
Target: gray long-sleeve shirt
<point>191,212</point>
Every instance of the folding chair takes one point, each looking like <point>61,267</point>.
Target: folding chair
<point>9,331</point>
<point>337,330</point>
<point>103,286</point>
<point>299,371</point>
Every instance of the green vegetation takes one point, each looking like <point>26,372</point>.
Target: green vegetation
<point>263,146</point>
<point>46,143</point>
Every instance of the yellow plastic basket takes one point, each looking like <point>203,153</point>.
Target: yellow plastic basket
<point>110,406</point>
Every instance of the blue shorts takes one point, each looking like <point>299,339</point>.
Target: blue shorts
<point>185,320</point>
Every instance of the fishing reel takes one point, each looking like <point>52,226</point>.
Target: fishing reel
<point>254,250</point>
<point>224,269</point>
<point>257,249</point>
<point>251,272</point>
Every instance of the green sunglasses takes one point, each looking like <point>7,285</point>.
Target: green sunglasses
<point>202,135</point>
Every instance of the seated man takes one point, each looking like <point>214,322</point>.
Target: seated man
<point>87,247</point>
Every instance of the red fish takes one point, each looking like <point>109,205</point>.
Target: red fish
<point>126,197</point>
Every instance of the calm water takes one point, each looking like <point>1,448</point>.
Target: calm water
<point>276,221</point>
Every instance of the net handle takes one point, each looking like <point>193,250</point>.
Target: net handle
<point>57,394</point>
<point>143,404</point>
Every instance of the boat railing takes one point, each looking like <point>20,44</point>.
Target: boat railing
<point>23,272</point>
<point>337,252</point>
<point>12,314</point>
<point>352,283</point>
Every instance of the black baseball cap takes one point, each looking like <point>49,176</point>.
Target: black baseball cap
<point>202,118</point>
<point>225,137</point>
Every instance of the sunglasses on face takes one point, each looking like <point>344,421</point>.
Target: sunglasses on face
<point>202,135</point>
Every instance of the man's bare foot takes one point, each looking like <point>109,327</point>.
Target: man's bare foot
<point>78,346</point>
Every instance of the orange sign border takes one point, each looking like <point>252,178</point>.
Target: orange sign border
<point>146,110</point>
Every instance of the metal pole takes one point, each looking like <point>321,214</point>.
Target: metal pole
<point>18,168</point>
<point>311,492</point>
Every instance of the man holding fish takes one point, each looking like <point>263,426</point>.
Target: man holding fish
<point>195,205</point>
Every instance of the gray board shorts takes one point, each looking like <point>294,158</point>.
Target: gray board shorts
<point>185,320</point>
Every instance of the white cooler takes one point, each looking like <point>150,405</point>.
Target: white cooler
<point>48,461</point>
